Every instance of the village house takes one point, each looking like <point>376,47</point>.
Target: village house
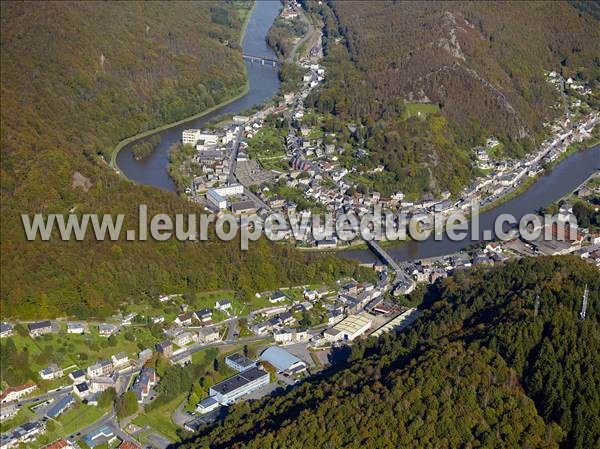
<point>208,335</point>
<point>277,297</point>
<point>106,329</point>
<point>144,356</point>
<point>128,319</point>
<point>8,411</point>
<point>39,328</point>
<point>15,393</point>
<point>120,359</point>
<point>185,319</point>
<point>261,328</point>
<point>6,330</point>
<point>144,383</point>
<point>82,390</point>
<point>165,348</point>
<point>184,339</point>
<point>75,328</point>
<point>53,371</point>
<point>100,384</point>
<point>60,444</point>
<point>204,316</point>
<point>289,336</point>
<point>100,368</point>
<point>77,376</point>
<point>223,305</point>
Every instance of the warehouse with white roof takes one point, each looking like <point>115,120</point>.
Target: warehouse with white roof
<point>282,360</point>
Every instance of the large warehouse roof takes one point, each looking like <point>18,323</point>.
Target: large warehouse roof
<point>280,358</point>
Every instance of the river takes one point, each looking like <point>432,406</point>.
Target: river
<point>263,85</point>
<point>550,187</point>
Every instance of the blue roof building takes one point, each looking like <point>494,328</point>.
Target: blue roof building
<point>60,406</point>
<point>99,436</point>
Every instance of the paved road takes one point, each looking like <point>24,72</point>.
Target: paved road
<point>42,397</point>
<point>232,330</point>
<point>179,416</point>
<point>200,346</point>
<point>233,157</point>
<point>308,35</point>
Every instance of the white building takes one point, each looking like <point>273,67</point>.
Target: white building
<point>190,136</point>
<point>75,328</point>
<point>241,384</point>
<point>288,336</point>
<point>207,405</point>
<point>239,362</point>
<point>52,372</point>
<point>224,304</point>
<point>14,393</point>
<point>218,197</point>
<point>120,359</point>
<point>282,360</point>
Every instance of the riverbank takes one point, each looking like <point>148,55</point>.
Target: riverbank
<point>127,141</point>
<point>245,89</point>
<point>586,145</point>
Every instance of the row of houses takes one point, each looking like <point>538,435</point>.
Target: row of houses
<point>23,434</point>
<point>183,338</point>
<point>45,327</point>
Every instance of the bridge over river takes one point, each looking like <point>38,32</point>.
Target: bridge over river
<point>403,283</point>
<point>262,60</point>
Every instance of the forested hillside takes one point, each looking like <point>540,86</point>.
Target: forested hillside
<point>77,77</point>
<point>481,63</point>
<point>479,368</point>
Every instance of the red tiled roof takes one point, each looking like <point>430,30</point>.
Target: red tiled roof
<point>19,388</point>
<point>59,444</point>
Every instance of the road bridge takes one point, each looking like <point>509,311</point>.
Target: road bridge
<point>403,283</point>
<point>383,255</point>
<point>261,59</point>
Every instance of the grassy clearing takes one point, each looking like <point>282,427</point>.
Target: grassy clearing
<point>420,110</point>
<point>160,418</point>
<point>76,418</point>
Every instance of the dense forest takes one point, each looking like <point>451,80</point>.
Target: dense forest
<point>77,77</point>
<point>481,63</point>
<point>481,367</point>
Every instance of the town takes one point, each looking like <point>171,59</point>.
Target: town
<point>155,372</point>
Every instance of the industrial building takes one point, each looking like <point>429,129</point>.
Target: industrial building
<point>239,362</point>
<point>349,329</point>
<point>398,323</point>
<point>239,385</point>
<point>207,405</point>
<point>282,360</point>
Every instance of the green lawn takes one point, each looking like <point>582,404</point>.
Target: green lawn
<point>76,418</point>
<point>420,109</point>
<point>68,350</point>
<point>160,418</point>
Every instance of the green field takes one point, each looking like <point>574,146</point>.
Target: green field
<point>160,418</point>
<point>420,109</point>
<point>74,419</point>
<point>267,146</point>
<point>69,351</point>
